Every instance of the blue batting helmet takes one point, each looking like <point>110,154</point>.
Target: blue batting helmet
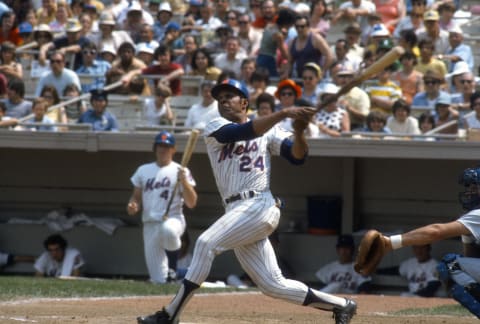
<point>470,198</point>
<point>232,85</point>
<point>166,138</point>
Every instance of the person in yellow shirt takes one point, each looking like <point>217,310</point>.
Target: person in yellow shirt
<point>427,61</point>
<point>383,91</point>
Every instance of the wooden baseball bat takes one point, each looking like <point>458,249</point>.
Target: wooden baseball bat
<point>187,154</point>
<point>386,60</point>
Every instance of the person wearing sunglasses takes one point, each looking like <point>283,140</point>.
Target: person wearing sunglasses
<point>249,37</point>
<point>461,99</point>
<point>307,47</point>
<point>287,92</point>
<point>428,98</point>
<point>92,68</point>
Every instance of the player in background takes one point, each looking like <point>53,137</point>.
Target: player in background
<point>339,276</point>
<point>153,185</point>
<point>240,153</point>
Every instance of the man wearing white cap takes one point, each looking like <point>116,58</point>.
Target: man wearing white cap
<point>432,31</point>
<point>458,50</point>
<point>164,16</point>
<point>107,35</point>
<point>135,9</point>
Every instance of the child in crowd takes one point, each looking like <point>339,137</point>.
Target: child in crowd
<point>401,121</point>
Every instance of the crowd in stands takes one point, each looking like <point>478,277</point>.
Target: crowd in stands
<point>287,53</point>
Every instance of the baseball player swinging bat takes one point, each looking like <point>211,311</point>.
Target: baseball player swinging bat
<point>386,60</point>
<point>187,154</point>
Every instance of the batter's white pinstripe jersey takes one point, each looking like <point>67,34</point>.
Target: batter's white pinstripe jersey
<point>157,185</point>
<point>243,165</point>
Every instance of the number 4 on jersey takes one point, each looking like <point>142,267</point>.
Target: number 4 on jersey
<point>164,194</point>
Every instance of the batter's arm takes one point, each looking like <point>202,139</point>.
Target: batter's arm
<point>135,202</point>
<point>300,146</point>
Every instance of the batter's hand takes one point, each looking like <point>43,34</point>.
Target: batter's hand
<point>182,176</point>
<point>304,113</point>
<point>132,208</point>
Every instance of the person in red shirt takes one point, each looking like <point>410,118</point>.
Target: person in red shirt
<point>171,72</point>
<point>8,30</point>
<point>269,13</point>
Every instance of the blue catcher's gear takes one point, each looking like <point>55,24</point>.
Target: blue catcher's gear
<point>463,296</point>
<point>470,179</point>
<point>166,138</point>
<point>230,84</point>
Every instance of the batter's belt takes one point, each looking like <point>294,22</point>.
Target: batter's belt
<point>241,196</point>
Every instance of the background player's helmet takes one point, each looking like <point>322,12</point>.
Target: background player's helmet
<point>164,137</point>
<point>470,179</point>
<point>230,84</point>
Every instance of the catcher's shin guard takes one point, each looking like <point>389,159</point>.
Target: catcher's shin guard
<point>460,294</point>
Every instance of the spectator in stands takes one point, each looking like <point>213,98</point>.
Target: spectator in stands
<point>473,121</point>
<point>401,122</point>
<point>356,101</point>
<point>157,110</point>
<point>108,54</point>
<point>307,47</point>
<point>339,276</point>
<point>145,53</point>
<point>164,16</point>
<point>273,40</point>
<point>427,61</point>
<point>39,108</point>
<point>409,79</point>
<point>107,35</point>
<point>69,45</point>
<point>391,12</point>
<point>133,19</point>
<point>62,15</point>
<point>9,65</point>
<point>123,65</point>
<point>311,76</point>
<point>267,14</point>
<point>9,30</point>
<point>217,45</point>
<point>432,81</point>
<point>98,117</point>
<point>352,37</point>
<point>426,122</point>
<point>88,20</point>
<point>421,272</point>
<point>341,50</point>
<point>201,113</point>
<point>92,67</point>
<point>247,68</point>
<point>332,119</point>
<point>185,59</point>
<point>444,113</point>
<point>259,82</point>
<point>222,10</point>
<point>461,99</point>
<point>25,29</point>
<point>249,37</point>
<point>202,64</point>
<point>414,19</point>
<point>146,36</point>
<point>52,98</point>
<point>432,32</point>
<point>9,259</point>
<point>232,58</point>
<point>171,72</point>
<point>446,10</point>
<point>59,259</point>
<point>319,21</point>
<point>409,41</point>
<point>376,123</point>
<point>75,109</point>
<point>46,13</point>
<point>383,91</point>
<point>59,76</point>
<point>354,10</point>
<point>458,50</point>
<point>42,34</point>
<point>172,38</point>
<point>287,92</point>
<point>265,105</point>
<point>16,106</point>
<point>207,22</point>
<point>6,121</point>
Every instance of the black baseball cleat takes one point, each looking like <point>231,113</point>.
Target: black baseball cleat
<point>160,317</point>
<point>343,315</point>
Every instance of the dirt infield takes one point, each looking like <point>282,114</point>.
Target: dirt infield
<point>218,308</point>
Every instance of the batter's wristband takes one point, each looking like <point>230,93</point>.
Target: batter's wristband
<point>396,241</point>
<point>467,239</point>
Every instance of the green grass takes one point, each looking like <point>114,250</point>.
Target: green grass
<point>14,288</point>
<point>450,310</point>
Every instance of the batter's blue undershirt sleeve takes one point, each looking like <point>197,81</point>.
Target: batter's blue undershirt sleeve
<point>286,152</point>
<point>235,132</point>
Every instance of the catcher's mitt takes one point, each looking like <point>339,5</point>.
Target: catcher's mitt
<point>370,252</point>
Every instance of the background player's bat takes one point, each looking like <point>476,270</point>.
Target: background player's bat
<point>386,60</point>
<point>187,154</point>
